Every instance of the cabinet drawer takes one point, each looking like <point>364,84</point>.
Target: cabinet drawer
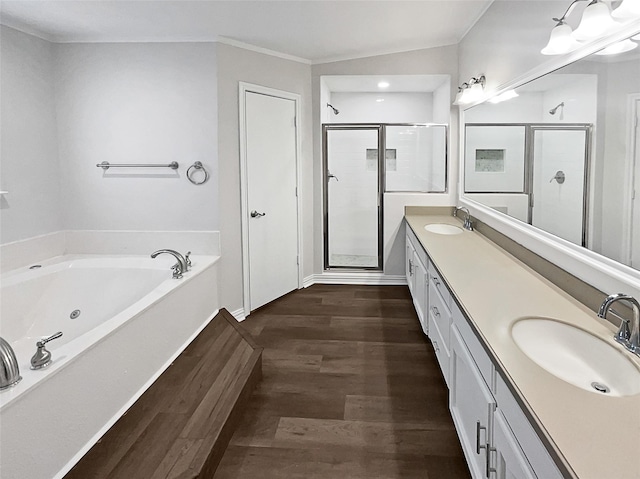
<point>536,453</point>
<point>440,314</point>
<point>480,356</point>
<point>440,346</point>
<point>439,285</point>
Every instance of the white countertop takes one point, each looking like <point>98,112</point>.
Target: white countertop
<point>597,436</point>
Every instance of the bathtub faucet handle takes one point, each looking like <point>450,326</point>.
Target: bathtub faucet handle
<point>187,260</point>
<point>42,358</point>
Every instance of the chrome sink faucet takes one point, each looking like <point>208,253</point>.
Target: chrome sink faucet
<point>180,267</point>
<point>467,219</point>
<point>629,337</point>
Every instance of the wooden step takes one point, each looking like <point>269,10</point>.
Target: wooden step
<point>181,426</point>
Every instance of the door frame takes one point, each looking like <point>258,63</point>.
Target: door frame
<point>243,89</point>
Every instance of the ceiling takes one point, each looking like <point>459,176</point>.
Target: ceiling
<point>315,31</point>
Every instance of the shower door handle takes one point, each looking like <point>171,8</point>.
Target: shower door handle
<point>255,214</point>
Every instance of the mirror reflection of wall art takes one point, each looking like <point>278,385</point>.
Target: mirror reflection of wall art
<point>489,160</point>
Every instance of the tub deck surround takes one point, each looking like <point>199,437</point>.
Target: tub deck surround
<point>590,435</point>
<point>98,374</point>
<point>180,427</point>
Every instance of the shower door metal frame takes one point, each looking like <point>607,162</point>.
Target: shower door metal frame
<point>325,187</point>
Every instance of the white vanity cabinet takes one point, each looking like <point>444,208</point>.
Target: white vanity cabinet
<point>509,445</point>
<point>496,436</point>
<point>439,320</point>
<point>510,462</point>
<point>417,279</point>
<point>472,406</point>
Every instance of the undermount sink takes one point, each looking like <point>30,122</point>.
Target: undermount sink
<point>577,357</point>
<point>443,229</point>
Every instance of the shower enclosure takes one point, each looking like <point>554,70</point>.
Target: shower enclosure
<point>361,162</point>
<point>537,173</point>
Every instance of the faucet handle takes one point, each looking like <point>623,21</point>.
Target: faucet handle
<point>624,333</point>
<point>177,271</point>
<point>42,358</point>
<point>187,260</point>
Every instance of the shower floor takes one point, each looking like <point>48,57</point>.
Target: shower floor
<point>353,260</point>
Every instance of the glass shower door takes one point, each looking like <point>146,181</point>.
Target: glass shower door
<point>352,197</point>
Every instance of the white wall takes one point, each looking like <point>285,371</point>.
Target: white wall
<point>401,107</point>
<point>29,148</point>
<point>137,103</point>
<point>441,60</point>
<point>235,65</point>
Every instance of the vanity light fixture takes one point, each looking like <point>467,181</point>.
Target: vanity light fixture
<point>597,20</point>
<point>470,91</point>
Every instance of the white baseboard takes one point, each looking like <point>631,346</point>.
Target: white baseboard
<point>354,277</point>
<point>238,314</point>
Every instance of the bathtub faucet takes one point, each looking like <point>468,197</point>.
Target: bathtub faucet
<point>178,268</point>
<point>9,370</point>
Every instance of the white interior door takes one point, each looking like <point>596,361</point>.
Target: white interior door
<point>272,216</point>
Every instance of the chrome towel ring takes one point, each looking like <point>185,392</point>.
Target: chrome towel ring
<point>192,169</point>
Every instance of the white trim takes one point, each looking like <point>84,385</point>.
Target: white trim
<point>354,277</point>
<point>264,51</point>
<point>243,89</point>
<point>629,165</point>
<point>238,314</point>
<point>601,272</point>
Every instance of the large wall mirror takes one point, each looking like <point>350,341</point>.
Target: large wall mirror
<point>564,154</point>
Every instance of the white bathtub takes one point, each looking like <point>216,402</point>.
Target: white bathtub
<point>134,319</point>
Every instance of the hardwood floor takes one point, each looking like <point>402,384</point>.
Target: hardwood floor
<point>351,389</point>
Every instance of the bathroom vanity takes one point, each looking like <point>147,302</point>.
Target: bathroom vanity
<point>537,385</point>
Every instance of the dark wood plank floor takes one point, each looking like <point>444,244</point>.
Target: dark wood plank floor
<point>351,389</point>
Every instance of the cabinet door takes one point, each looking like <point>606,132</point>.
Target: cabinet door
<point>420,293</point>
<point>410,258</point>
<point>471,405</point>
<point>510,462</point>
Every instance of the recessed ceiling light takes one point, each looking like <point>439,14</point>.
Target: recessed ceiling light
<point>383,84</point>
<point>380,100</point>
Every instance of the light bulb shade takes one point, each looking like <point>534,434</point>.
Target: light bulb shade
<point>596,21</point>
<point>628,10</point>
<point>459,96</point>
<point>560,41</point>
<point>619,47</point>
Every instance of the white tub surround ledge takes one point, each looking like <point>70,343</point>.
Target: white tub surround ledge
<point>590,435</point>
<point>52,417</point>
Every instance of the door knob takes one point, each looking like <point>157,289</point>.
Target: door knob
<point>255,214</point>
